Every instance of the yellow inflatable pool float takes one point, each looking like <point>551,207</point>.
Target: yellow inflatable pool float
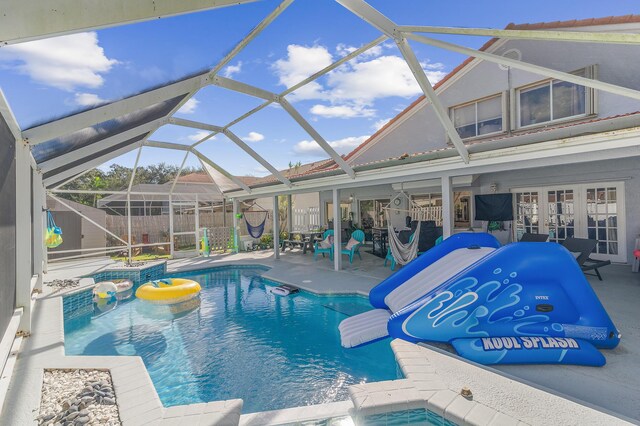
<point>168,291</point>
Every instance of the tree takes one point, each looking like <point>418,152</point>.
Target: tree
<point>117,178</point>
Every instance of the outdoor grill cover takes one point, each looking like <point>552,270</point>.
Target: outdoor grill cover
<point>494,207</point>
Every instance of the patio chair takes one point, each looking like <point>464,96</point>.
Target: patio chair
<point>357,235</point>
<point>529,237</point>
<point>582,248</point>
<point>317,249</point>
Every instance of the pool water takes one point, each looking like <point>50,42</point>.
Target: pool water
<point>237,341</point>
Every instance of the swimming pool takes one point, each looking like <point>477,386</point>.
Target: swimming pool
<point>237,341</point>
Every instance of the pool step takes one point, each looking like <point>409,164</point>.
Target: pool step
<point>386,397</point>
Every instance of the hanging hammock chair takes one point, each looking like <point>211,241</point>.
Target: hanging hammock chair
<point>256,230</point>
<point>53,236</point>
<point>402,253</point>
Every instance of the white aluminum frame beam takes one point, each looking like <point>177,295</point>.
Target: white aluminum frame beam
<point>311,78</point>
<point>264,94</point>
<point>525,66</point>
<point>245,88</point>
<point>76,211</point>
<point>543,35</point>
<point>135,169</point>
<point>166,145</point>
<point>228,175</point>
<point>175,180</point>
<point>60,185</point>
<point>27,20</point>
<point>235,139</point>
<point>252,35</point>
<point>194,124</point>
<point>81,120</point>
<point>388,27</point>
<point>316,137</point>
<point>91,164</point>
<point>246,148</point>
<point>80,153</point>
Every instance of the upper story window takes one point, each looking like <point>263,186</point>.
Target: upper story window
<point>479,118</point>
<point>553,100</point>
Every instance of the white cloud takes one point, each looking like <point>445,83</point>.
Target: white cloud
<point>380,77</point>
<point>380,124</point>
<point>65,62</point>
<point>200,134</point>
<point>254,137</point>
<point>342,111</point>
<point>342,146</point>
<point>88,99</point>
<point>301,62</point>
<point>232,69</point>
<point>353,88</point>
<point>189,107</point>
<point>343,50</point>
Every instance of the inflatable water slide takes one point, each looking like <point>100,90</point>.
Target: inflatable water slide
<point>514,304</point>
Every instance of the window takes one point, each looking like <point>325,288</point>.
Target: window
<point>553,100</point>
<point>431,206</point>
<point>345,211</point>
<point>479,118</point>
<point>372,213</point>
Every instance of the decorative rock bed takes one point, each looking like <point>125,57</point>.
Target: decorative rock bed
<point>63,284</point>
<point>78,397</point>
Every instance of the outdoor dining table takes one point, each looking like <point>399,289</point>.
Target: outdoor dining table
<point>307,238</point>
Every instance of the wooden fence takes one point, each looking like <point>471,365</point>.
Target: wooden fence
<point>306,219</point>
<point>427,213</point>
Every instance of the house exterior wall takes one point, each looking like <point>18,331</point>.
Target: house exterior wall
<point>420,131</point>
<point>627,170</point>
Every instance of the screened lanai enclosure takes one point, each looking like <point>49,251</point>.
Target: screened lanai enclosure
<point>50,156</point>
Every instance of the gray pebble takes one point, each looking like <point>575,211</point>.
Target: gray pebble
<point>86,399</point>
<point>82,420</point>
<point>84,412</point>
<point>72,416</point>
<point>48,417</point>
<point>108,401</point>
<point>73,408</point>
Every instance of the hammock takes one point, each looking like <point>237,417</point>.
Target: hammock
<point>257,230</point>
<point>53,236</point>
<point>402,253</point>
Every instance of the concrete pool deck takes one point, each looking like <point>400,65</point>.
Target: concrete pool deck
<point>612,388</point>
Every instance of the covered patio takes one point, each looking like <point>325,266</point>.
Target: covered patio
<point>47,158</point>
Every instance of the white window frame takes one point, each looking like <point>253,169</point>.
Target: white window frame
<point>580,215</point>
<point>590,109</point>
<point>504,107</point>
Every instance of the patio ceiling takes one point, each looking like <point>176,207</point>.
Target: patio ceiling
<point>66,148</point>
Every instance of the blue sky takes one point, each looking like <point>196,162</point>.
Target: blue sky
<point>54,77</point>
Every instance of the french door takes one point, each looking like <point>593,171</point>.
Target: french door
<point>594,211</point>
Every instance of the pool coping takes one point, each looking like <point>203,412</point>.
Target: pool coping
<point>433,380</point>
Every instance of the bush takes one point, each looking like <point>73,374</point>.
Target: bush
<point>266,241</point>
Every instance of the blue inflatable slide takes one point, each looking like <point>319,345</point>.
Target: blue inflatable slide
<point>523,303</point>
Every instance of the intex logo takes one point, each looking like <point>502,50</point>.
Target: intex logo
<point>542,297</point>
